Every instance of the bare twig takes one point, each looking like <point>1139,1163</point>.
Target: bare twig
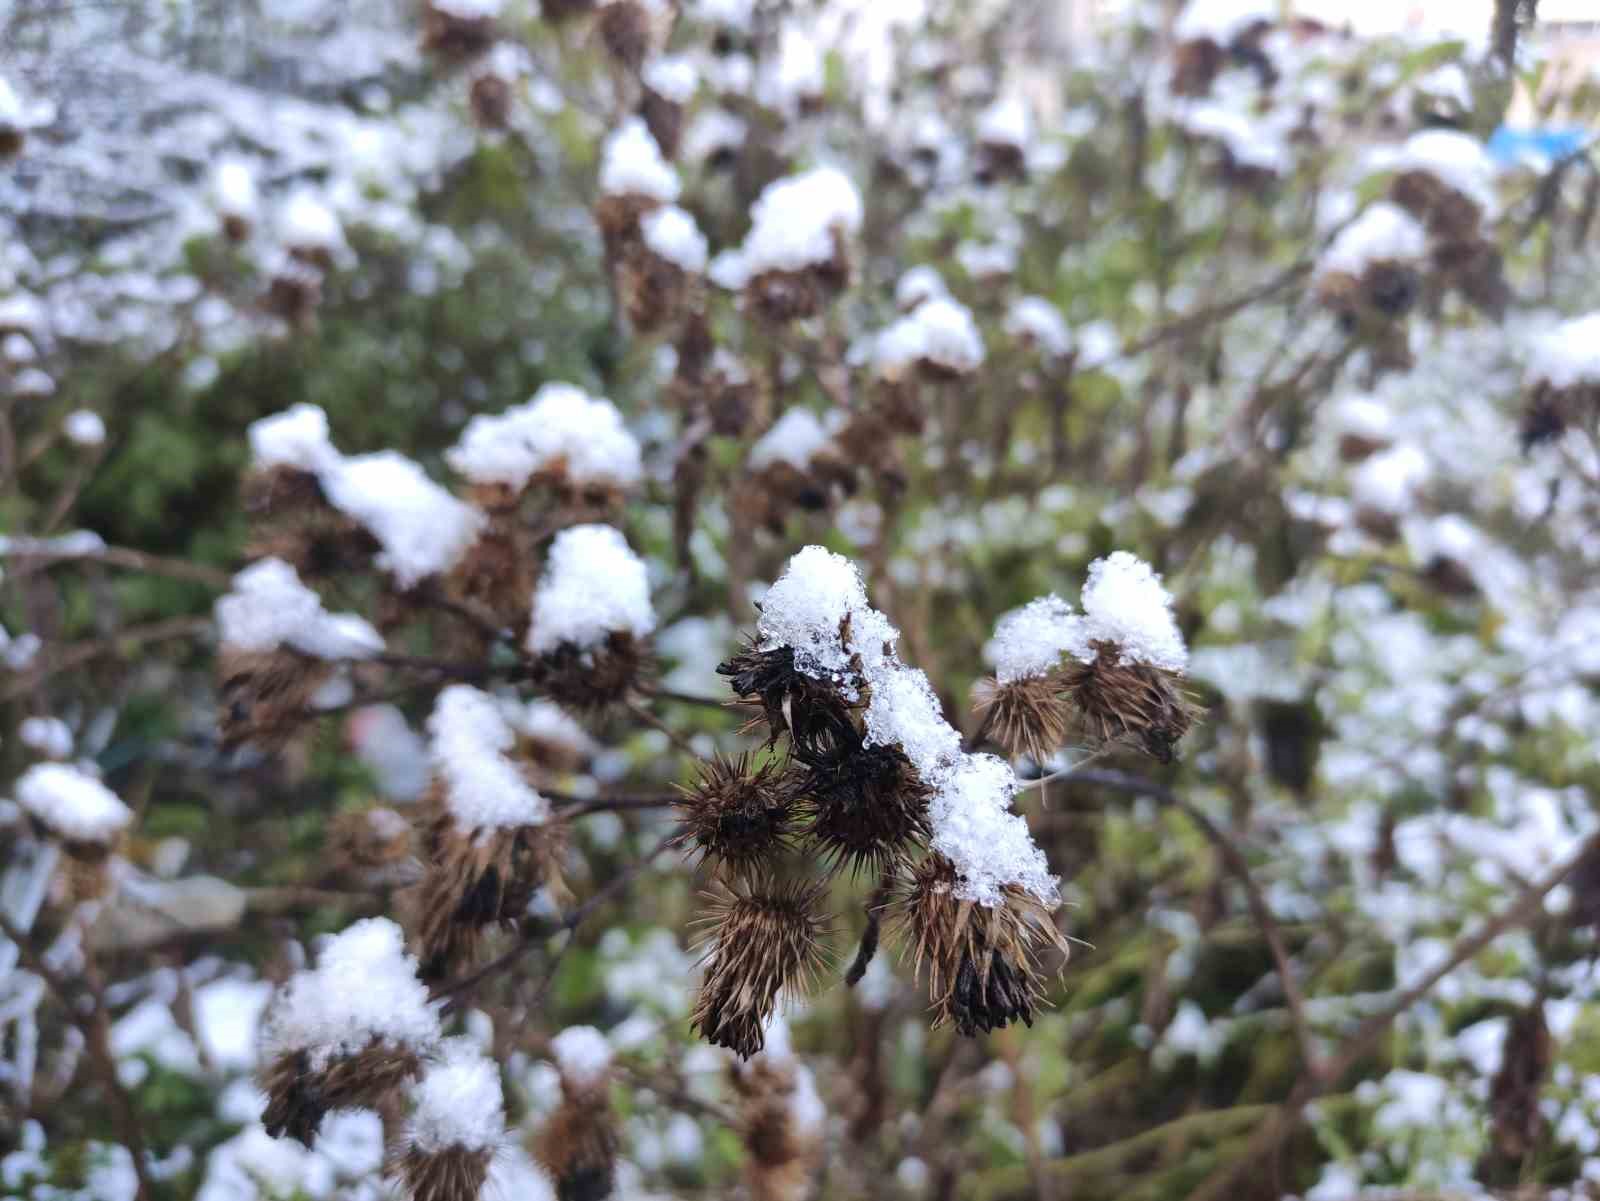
<point>79,653</point>
<point>43,554</point>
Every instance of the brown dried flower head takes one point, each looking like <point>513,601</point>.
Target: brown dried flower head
<point>865,806</point>
<point>578,1147</point>
<point>1127,702</point>
<point>477,880</point>
<point>629,30</point>
<point>589,679</point>
<point>490,100</point>
<point>300,1096</point>
<point>1026,716</point>
<point>266,695</point>
<point>452,33</point>
<point>450,1174</point>
<point>736,817</point>
<point>779,296</point>
<point>372,845</point>
<point>782,1149</point>
<point>981,961</point>
<point>655,292</point>
<point>766,936</point>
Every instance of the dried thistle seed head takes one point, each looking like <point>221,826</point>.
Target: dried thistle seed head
<point>1133,702</point>
<point>556,11</point>
<point>780,1124</point>
<point>1026,716</point>
<point>807,709</point>
<point>1544,420</point>
<point>767,936</point>
<point>455,31</point>
<point>594,678</point>
<point>490,101</point>
<point>300,1095</point>
<point>866,805</point>
<point>736,816</point>
<point>1389,288</point>
<point>266,695</point>
<point>294,293</point>
<point>476,880</point>
<point>1196,64</point>
<point>449,1174</point>
<point>1446,212</point>
<point>278,489</point>
<point>619,215</point>
<point>980,960</point>
<point>627,30</point>
<point>496,574</point>
<point>655,292</point>
<point>578,1148</point>
<point>373,845</point>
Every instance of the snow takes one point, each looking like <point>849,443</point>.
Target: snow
<point>268,607</point>
<point>84,428</point>
<point>712,131</point>
<point>1030,641</point>
<point>805,606</point>
<point>363,987</point>
<point>71,802</point>
<point>1457,160</point>
<point>1363,417</point>
<point>470,10</point>
<point>1006,122</point>
<point>1384,232</point>
<point>1035,318</point>
<point>307,223</point>
<point>794,438</point>
<point>1221,21</point>
<point>795,219</point>
<point>990,846</point>
<point>1388,482</point>
<point>939,331</point>
<point>1569,355</point>
<point>631,164</point>
<point>546,721</point>
<point>1448,82</point>
<point>672,233</point>
<point>296,437</point>
<point>1124,603</point>
<point>583,1055</point>
<point>457,1103</point>
<point>918,284</point>
<point>49,736</point>
<point>672,77</point>
<point>593,585</point>
<point>484,789</point>
<point>233,186</point>
<point>1250,141</point>
<point>422,528</point>
<point>794,75</point>
<point>561,429</point>
<point>904,711</point>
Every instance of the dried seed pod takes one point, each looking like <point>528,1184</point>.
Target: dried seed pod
<point>780,1124</point>
<point>767,936</point>
<point>300,1095</point>
<point>1127,702</point>
<point>373,846</point>
<point>866,806</point>
<point>578,1145</point>
<point>594,678</point>
<point>736,817</point>
<point>454,30</point>
<point>1026,716</point>
<point>809,710</point>
<point>980,960</point>
<point>266,695</point>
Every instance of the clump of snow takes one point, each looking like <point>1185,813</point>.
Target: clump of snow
<point>1221,21</point>
<point>1036,319</point>
<point>71,802</point>
<point>233,188</point>
<point>547,721</point>
<point>1030,641</point>
<point>269,607</point>
<point>1569,355</point>
<point>990,846</point>
<point>468,740</point>
<point>296,437</point>
<point>422,528</point>
<point>672,77</point>
<point>918,284</point>
<point>805,607</point>
<point>794,438</point>
<point>1249,141</point>
<point>1457,160</point>
<point>713,131</point>
<point>1363,417</point>
<point>48,735</point>
<point>1124,603</point>
<point>1388,482</point>
<point>795,220</point>
<point>363,988</point>
<point>1384,232</point>
<point>561,428</point>
<point>593,586</point>
<point>583,1055</point>
<point>939,331</point>
<point>671,232</point>
<point>794,76</point>
<point>1006,122</point>
<point>1448,83</point>
<point>904,711</point>
<point>309,225</point>
<point>470,10</point>
<point>631,164</point>
<point>458,1102</point>
<point>84,428</point>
